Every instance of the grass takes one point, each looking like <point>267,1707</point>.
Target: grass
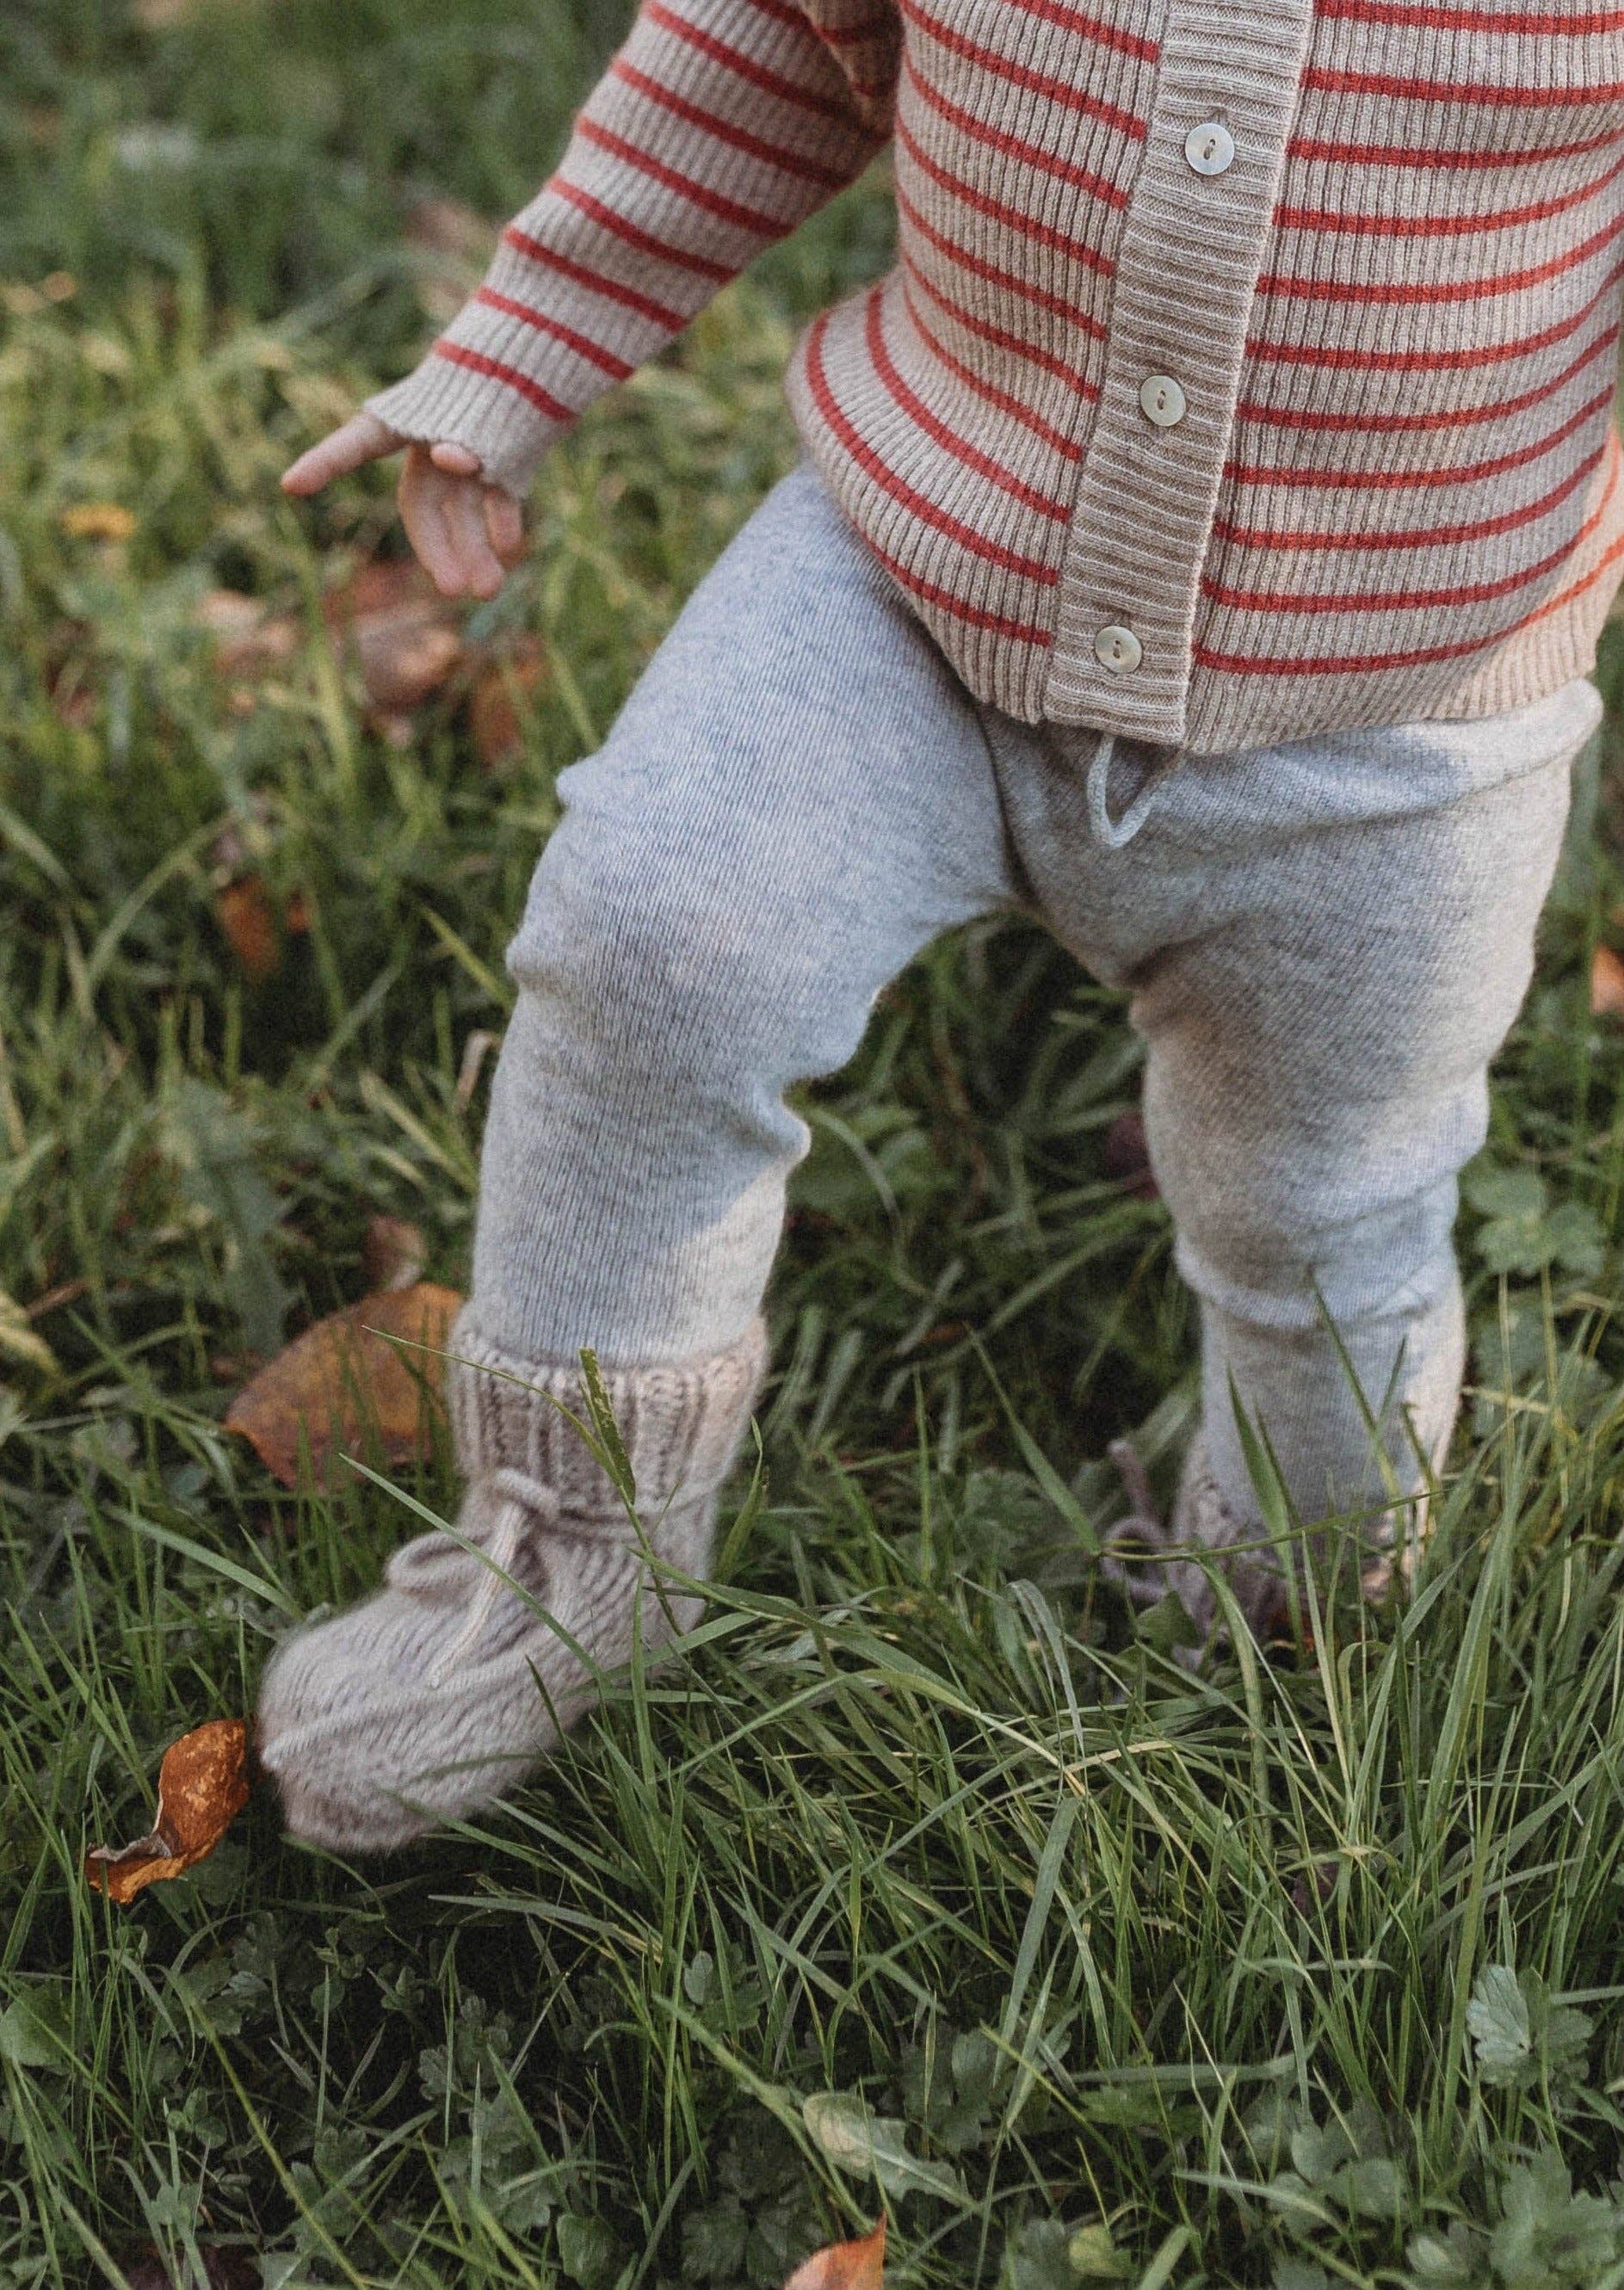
<point>931,1881</point>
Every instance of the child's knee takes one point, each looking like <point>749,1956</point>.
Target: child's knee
<point>635,948</point>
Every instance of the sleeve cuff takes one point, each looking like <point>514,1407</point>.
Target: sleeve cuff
<point>441,402</point>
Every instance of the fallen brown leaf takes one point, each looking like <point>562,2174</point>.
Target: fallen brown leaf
<point>403,635</point>
<point>393,1253</point>
<point>203,1785</point>
<point>249,639</point>
<point>858,2265</point>
<point>246,915</point>
<point>1607,984</point>
<point>503,696</point>
<point>343,1384</point>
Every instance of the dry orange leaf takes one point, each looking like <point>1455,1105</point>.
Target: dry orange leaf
<point>504,694</point>
<point>844,2265</point>
<point>247,914</point>
<point>1607,984</point>
<point>343,1384</point>
<point>404,636</point>
<point>203,1786</point>
<point>249,639</point>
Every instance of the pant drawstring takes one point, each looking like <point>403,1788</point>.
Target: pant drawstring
<point>1111,834</point>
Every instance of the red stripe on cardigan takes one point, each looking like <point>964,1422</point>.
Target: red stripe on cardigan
<point>1014,147</point>
<point>543,323</point>
<point>645,241</point>
<point>596,281</point>
<point>1059,369</point>
<point>1093,27</point>
<point>1003,399</point>
<point>1063,91</point>
<point>1532,23</point>
<point>1376,662</point>
<point>1025,632</point>
<point>980,267</point>
<point>1375,481</point>
<point>873,465</point>
<point>1433,361</point>
<point>1406,600</point>
<point>1041,234</point>
<point>1428,154</point>
<point>754,220</point>
<point>1335,219</point>
<point>1436,536</point>
<point>1319,79</point>
<point>511,379</point>
<point>969,456</point>
<point>1283,287</point>
<point>1450,417</point>
<point>743,67</point>
<point>723,131</point>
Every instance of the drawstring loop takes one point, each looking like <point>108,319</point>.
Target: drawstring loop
<point>1113,834</point>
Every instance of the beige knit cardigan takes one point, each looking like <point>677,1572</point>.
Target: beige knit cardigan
<point>1247,368</point>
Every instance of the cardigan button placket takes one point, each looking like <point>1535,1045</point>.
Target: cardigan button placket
<point>1198,216</point>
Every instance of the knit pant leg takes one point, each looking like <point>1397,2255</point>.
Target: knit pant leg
<point>796,798</point>
<point>1317,1076</point>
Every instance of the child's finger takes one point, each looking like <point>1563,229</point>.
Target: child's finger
<point>362,438</point>
<point>465,515</point>
<point>456,460</point>
<point>422,511</point>
<point>504,523</point>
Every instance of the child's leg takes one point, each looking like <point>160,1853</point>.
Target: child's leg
<point>798,797</point>
<point>1348,934</point>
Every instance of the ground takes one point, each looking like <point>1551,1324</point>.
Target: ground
<point>929,1883</point>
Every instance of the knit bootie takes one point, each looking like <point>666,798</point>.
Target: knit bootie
<point>437,1695</point>
<point>1202,1521</point>
<point>1164,1555</point>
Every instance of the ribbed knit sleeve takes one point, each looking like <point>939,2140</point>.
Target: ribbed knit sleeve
<point>719,127</point>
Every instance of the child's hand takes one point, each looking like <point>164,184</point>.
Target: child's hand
<point>466,533</point>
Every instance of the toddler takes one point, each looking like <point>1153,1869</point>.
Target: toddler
<point>1201,543</point>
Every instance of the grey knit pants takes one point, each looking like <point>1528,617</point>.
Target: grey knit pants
<point>1325,942</point>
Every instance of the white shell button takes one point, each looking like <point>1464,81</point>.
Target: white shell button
<point>1210,148</point>
<point>1162,400</point>
<point>1119,648</point>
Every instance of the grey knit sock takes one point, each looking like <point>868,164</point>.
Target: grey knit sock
<point>434,1697</point>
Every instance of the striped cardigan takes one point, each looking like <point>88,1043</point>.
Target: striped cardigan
<point>1247,368</point>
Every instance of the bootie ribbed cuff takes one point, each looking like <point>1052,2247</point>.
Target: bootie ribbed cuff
<point>681,1422</point>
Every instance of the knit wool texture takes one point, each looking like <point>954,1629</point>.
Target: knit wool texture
<point>1395,316</point>
<point>430,1700</point>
